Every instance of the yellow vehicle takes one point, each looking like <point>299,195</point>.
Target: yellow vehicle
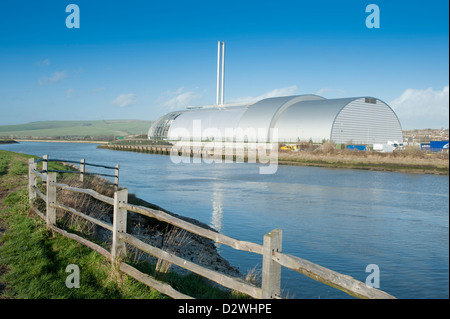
<point>292,148</point>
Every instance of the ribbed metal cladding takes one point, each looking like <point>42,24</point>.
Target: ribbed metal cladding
<point>365,122</point>
<point>356,120</point>
<point>160,128</point>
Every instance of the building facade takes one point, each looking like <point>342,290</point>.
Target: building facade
<point>289,119</point>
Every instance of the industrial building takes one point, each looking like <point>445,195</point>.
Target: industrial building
<point>358,120</point>
<point>288,119</point>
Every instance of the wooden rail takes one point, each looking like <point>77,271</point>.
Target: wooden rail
<point>215,236</point>
<point>80,170</point>
<point>271,250</point>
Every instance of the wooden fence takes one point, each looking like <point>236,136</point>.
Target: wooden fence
<point>81,170</point>
<point>272,256</point>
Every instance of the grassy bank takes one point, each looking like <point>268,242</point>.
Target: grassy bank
<point>71,129</point>
<point>406,161</point>
<point>33,260</point>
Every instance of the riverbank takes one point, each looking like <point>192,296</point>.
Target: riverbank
<point>61,141</point>
<point>47,253</point>
<point>401,161</point>
<point>8,141</point>
<point>410,160</point>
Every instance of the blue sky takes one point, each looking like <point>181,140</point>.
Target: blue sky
<point>141,59</point>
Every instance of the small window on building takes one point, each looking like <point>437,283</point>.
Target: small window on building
<point>371,100</point>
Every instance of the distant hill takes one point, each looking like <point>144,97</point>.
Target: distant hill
<point>72,129</point>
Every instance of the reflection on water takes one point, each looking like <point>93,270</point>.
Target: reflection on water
<point>217,212</point>
<point>341,219</point>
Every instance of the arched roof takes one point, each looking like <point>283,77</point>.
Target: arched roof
<point>309,120</point>
<point>205,121</point>
<point>265,113</point>
<point>363,120</point>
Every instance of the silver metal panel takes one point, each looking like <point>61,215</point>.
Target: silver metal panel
<point>360,122</point>
<point>309,120</point>
<point>265,113</point>
<point>206,123</point>
<point>161,126</point>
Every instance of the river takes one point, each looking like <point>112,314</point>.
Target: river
<point>341,219</point>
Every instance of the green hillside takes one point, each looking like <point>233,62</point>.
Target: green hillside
<point>75,128</point>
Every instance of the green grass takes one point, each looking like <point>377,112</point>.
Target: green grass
<point>76,128</point>
<point>3,164</point>
<point>36,258</point>
<point>13,169</point>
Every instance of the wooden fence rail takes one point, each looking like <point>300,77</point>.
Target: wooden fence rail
<point>271,250</point>
<point>81,170</point>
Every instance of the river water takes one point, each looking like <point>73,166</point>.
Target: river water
<point>341,219</point>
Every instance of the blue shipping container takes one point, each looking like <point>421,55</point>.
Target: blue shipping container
<point>437,146</point>
<point>357,147</point>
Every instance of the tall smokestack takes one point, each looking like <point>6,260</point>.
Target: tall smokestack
<point>220,73</point>
<point>223,70</point>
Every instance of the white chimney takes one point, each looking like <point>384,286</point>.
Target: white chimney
<point>220,73</point>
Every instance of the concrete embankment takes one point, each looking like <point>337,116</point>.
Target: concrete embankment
<point>152,149</point>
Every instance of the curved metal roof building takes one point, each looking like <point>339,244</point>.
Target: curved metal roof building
<point>359,120</point>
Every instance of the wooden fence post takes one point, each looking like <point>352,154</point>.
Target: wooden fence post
<point>116,177</point>
<point>51,199</point>
<point>82,170</point>
<point>271,270</point>
<point>118,248</point>
<point>45,165</point>
<point>31,179</point>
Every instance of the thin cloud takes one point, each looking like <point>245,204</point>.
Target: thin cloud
<point>45,62</point>
<point>291,90</point>
<point>180,99</point>
<point>54,78</point>
<point>125,100</point>
<point>423,108</point>
<point>178,91</point>
<point>330,91</point>
<point>69,93</point>
<point>98,90</point>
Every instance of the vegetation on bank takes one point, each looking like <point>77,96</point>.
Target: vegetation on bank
<point>3,141</point>
<point>33,259</point>
<point>76,130</point>
<point>408,160</point>
<point>36,262</point>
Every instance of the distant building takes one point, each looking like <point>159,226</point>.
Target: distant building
<point>358,120</point>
